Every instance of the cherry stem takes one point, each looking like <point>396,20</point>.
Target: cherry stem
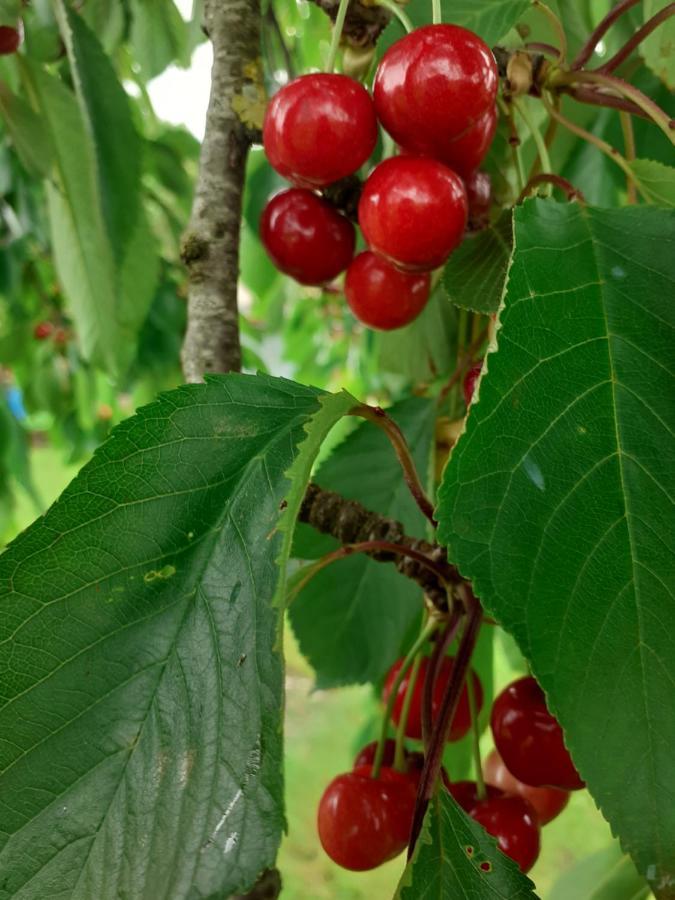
<point>629,146</point>
<point>434,757</point>
<point>557,27</point>
<point>463,363</point>
<point>436,16</point>
<point>382,420</point>
<point>542,149</point>
<point>394,8</point>
<point>621,87</point>
<point>637,39</point>
<point>599,32</point>
<point>337,34</point>
<point>441,646</point>
<point>428,629</point>
<point>399,758</point>
<point>599,98</point>
<point>475,740</point>
<point>606,148</point>
<point>548,49</point>
<point>571,192</point>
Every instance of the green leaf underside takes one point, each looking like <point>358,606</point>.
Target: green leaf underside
<point>656,180</point>
<point>351,618</point>
<point>141,697</point>
<point>557,500</point>
<point>475,273</point>
<point>448,856</point>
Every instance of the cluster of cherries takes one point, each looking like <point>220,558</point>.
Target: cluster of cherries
<point>434,93</point>
<point>364,821</point>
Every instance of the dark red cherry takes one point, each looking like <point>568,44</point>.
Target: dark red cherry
<point>10,38</point>
<point>530,740</point>
<point>306,237</point>
<point>42,331</point>
<point>466,152</point>
<point>466,793</point>
<point>383,296</point>
<point>319,128</point>
<point>479,194</point>
<point>433,85</point>
<point>413,212</point>
<point>514,823</point>
<point>366,756</point>
<point>469,383</point>
<point>363,821</point>
<point>462,718</point>
<point>547,802</point>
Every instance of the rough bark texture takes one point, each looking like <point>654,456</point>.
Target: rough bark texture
<point>210,248</point>
<point>364,23</point>
<point>351,523</point>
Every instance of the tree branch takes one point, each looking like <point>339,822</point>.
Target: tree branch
<point>364,23</point>
<point>210,248</point>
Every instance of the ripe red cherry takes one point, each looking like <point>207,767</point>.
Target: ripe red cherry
<point>319,128</point>
<point>547,802</point>
<point>363,821</point>
<point>466,152</point>
<point>465,793</point>
<point>470,379</point>
<point>530,740</point>
<point>432,86</point>
<point>413,212</point>
<point>479,194</point>
<point>462,718</point>
<point>513,822</point>
<point>9,40</point>
<point>366,756</point>
<point>305,236</point>
<point>42,331</point>
<point>382,296</point>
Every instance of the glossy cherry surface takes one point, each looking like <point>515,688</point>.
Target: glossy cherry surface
<point>319,128</point>
<point>433,85</point>
<point>362,821</point>
<point>10,38</point>
<point>466,793</point>
<point>306,237</point>
<point>547,802</point>
<point>366,756</point>
<point>462,719</point>
<point>469,383</point>
<point>530,740</point>
<point>383,296</point>
<point>42,331</point>
<point>513,822</point>
<point>479,194</point>
<point>413,212</point>
<point>465,153</point>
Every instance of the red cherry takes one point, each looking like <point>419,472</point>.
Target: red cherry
<point>530,740</point>
<point>10,38</point>
<point>382,296</point>
<point>547,802</point>
<point>432,86</point>
<point>363,821</point>
<point>61,337</point>
<point>413,211</point>
<point>42,331</point>
<point>470,380</point>
<point>513,822</point>
<point>305,236</point>
<point>465,793</point>
<point>319,128</point>
<point>479,194</point>
<point>462,718</point>
<point>466,152</point>
<point>366,756</point>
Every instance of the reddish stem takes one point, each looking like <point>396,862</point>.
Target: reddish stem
<point>443,641</point>
<point>463,363</point>
<point>637,39</point>
<point>597,98</point>
<point>599,32</point>
<point>571,192</point>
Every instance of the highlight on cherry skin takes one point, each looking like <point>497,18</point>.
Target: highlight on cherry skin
<point>547,802</point>
<point>382,296</point>
<point>513,822</point>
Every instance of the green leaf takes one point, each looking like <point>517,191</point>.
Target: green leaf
<point>448,857</point>
<point>141,680</point>
<point>605,875</point>
<point>475,273</point>
<point>159,36</point>
<point>555,502</point>
<point>29,136</point>
<point>107,119</point>
<point>352,617</point>
<point>658,50</point>
<point>657,181</point>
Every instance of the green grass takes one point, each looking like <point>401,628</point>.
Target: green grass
<point>322,732</point>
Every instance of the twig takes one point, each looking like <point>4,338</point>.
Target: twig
<point>637,39</point>
<point>599,32</point>
<point>364,22</point>
<point>382,420</point>
<point>210,247</point>
<point>571,192</point>
<point>609,101</point>
<point>443,641</point>
<point>557,27</point>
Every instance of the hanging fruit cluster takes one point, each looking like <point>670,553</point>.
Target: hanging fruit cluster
<point>365,816</point>
<point>434,93</point>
